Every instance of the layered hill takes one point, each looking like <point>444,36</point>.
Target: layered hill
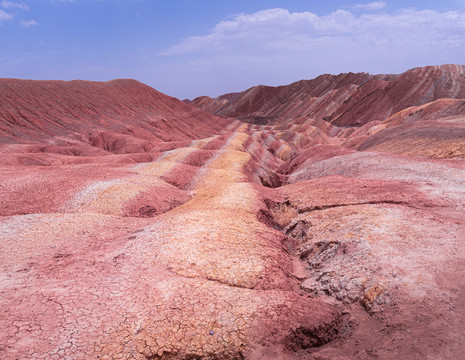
<point>342,100</point>
<point>323,219</point>
<point>92,118</point>
<point>348,108</point>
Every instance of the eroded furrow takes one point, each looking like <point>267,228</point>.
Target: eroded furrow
<point>205,279</point>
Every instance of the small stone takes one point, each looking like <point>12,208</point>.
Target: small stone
<point>309,284</point>
<point>212,332</point>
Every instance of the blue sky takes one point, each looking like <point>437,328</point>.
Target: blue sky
<point>187,48</point>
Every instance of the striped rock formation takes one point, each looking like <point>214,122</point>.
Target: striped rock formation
<point>343,100</point>
<point>296,222</point>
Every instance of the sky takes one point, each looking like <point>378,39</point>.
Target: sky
<point>189,48</point>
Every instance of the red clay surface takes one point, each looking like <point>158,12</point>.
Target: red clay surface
<point>135,226</point>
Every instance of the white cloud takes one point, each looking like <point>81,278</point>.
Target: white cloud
<point>276,46</point>
<point>275,30</point>
<point>375,5</point>
<point>4,16</point>
<point>271,32</point>
<point>29,23</point>
<point>9,4</point>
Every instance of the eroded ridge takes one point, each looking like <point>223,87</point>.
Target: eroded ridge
<point>325,222</point>
<point>206,279</point>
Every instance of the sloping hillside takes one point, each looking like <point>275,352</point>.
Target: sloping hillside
<point>343,100</point>
<point>325,221</point>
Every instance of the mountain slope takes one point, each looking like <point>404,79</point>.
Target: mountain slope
<point>40,110</point>
<point>135,226</point>
<point>343,100</point>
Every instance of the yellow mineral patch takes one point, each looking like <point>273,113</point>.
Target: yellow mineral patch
<point>199,144</point>
<point>284,152</point>
<point>212,235</point>
<point>110,197</point>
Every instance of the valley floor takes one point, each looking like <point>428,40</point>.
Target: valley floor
<point>357,255</point>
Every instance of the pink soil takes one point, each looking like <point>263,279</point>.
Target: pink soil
<point>135,226</point>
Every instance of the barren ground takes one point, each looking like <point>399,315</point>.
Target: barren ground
<point>144,228</point>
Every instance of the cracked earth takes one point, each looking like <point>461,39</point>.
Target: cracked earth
<point>204,279</point>
<point>203,275</point>
<point>187,235</point>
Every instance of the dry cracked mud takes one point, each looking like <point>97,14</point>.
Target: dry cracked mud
<point>203,280</point>
<point>150,229</point>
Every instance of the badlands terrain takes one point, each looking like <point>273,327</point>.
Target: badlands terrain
<point>318,220</point>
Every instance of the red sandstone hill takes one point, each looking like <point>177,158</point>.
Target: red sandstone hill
<point>329,224</point>
<point>119,116</point>
<point>343,100</point>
